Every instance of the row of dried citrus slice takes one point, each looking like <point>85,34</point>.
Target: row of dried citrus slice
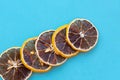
<point>50,48</point>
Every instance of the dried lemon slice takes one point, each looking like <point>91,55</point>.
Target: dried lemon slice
<point>11,67</point>
<point>45,50</point>
<point>82,35</point>
<point>30,58</point>
<point>60,43</point>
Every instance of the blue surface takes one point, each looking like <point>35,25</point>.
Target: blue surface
<point>22,19</point>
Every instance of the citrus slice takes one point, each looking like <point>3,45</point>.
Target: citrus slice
<point>60,43</point>
<point>11,67</point>
<point>45,50</point>
<point>30,58</point>
<point>82,35</point>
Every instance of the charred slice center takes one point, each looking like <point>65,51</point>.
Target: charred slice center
<point>11,67</point>
<point>62,43</point>
<point>45,50</point>
<point>31,57</point>
<point>82,34</point>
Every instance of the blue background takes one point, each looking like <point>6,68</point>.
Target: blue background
<point>22,19</point>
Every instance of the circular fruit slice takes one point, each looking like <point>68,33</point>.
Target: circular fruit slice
<point>11,67</point>
<point>60,43</point>
<point>30,58</point>
<point>45,50</point>
<point>82,35</point>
